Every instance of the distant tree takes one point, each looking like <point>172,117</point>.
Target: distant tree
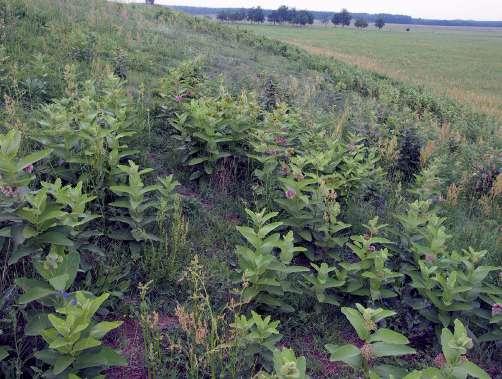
<point>256,15</point>
<point>222,16</point>
<point>343,18</point>
<point>302,18</point>
<point>283,14</point>
<point>237,15</point>
<point>361,23</point>
<point>325,19</point>
<point>274,17</point>
<point>150,2</point>
<point>379,22</point>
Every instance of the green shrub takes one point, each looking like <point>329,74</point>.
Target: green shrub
<point>87,133</point>
<point>378,342</point>
<point>74,339</point>
<point>180,85</point>
<point>265,264</point>
<point>286,366</point>
<point>370,276</point>
<point>449,284</point>
<point>408,162</point>
<point>258,334</point>
<point>213,129</point>
<point>452,363</point>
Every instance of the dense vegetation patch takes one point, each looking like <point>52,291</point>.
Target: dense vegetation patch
<point>238,203</point>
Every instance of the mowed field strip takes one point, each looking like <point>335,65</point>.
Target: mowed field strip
<point>463,63</point>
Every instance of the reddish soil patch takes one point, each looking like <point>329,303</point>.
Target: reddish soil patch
<point>315,353</point>
<point>129,340</point>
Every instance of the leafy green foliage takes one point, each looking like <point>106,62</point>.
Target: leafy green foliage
<point>266,274</point>
<point>451,283</point>
<point>87,132</point>
<point>180,85</point>
<point>58,269</point>
<point>259,334</point>
<point>306,172</point>
<point>370,276</point>
<point>211,129</point>
<point>378,342</point>
<point>286,366</point>
<point>52,215</point>
<point>16,171</point>
<point>74,339</point>
<point>136,203</point>
<point>452,363</point>
<point>319,283</point>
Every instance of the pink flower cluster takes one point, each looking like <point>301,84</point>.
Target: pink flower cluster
<point>430,258</point>
<point>281,140</point>
<point>496,309</point>
<point>440,360</point>
<point>28,169</point>
<point>290,194</point>
<point>9,191</point>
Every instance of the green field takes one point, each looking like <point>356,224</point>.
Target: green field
<point>463,63</point>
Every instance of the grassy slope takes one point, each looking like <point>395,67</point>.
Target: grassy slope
<point>152,40</point>
<point>465,64</point>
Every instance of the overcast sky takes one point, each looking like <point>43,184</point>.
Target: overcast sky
<point>443,9</point>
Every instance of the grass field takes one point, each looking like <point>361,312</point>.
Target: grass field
<point>463,63</point>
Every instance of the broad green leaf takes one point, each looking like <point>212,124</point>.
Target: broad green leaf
<point>32,158</point>
<point>347,353</point>
<point>446,339</point>
<point>103,357</point>
<point>4,352</point>
<point>32,293</point>
<point>62,363</point>
<point>196,161</point>
<point>19,253</point>
<point>47,355</point>
<point>357,321</point>
<point>59,282</point>
<point>388,371</point>
<point>86,343</point>
<point>99,330</point>
<point>59,324</point>
<point>55,238</point>
<point>382,349</point>
<point>388,336</point>
<point>37,324</point>
<point>475,371</point>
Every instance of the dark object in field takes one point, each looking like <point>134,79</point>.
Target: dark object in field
<point>484,177</point>
<point>343,18</point>
<point>361,23</point>
<point>408,29</point>
<point>270,95</point>
<point>379,23</point>
<point>408,162</point>
<point>120,64</point>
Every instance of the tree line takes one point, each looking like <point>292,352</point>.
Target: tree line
<point>344,18</point>
<point>281,15</point>
<point>292,16</point>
